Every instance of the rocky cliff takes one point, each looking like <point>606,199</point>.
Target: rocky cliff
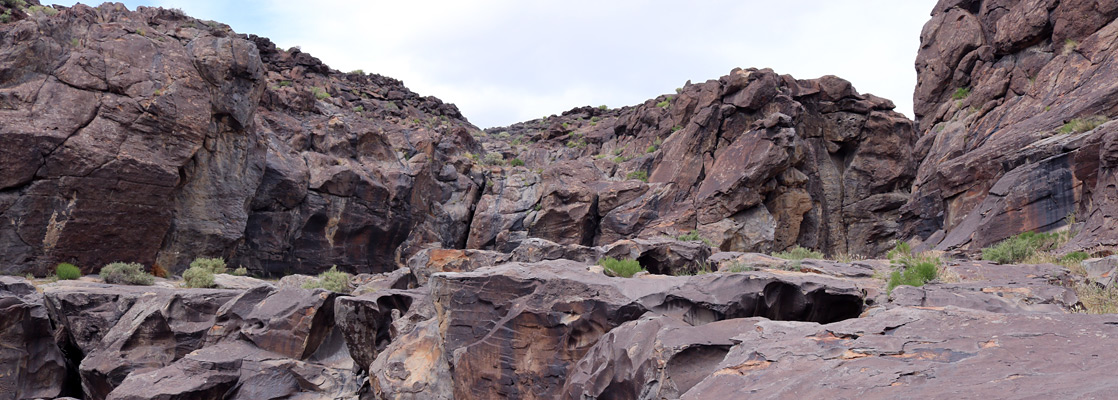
<point>753,161</point>
<point>1013,102</point>
<point>152,137</point>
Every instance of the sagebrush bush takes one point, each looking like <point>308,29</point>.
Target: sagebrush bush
<point>638,175</point>
<point>126,274</point>
<point>332,280</point>
<point>240,271</point>
<point>1017,248</point>
<point>214,265</point>
<point>694,235</point>
<point>66,271</point>
<point>198,277</point>
<point>622,268</point>
<point>798,253</point>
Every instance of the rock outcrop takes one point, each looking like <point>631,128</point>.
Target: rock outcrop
<point>1013,102</point>
<point>753,161</point>
<point>31,365</point>
<point>225,147</point>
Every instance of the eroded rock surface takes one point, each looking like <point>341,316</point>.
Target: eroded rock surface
<point>1007,102</point>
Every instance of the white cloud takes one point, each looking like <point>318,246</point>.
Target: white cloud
<point>503,61</point>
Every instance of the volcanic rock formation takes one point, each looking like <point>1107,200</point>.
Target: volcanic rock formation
<point>1013,103</point>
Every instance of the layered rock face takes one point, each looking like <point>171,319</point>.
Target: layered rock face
<point>1013,102</point>
<point>754,161</point>
<point>153,137</point>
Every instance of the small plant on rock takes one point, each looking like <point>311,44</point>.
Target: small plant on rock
<point>1080,125</point>
<point>621,268</point>
<point>240,271</point>
<point>797,253</point>
<point>1017,248</point>
<point>693,235</point>
<point>320,93</point>
<point>332,280</point>
<point>67,271</point>
<point>516,162</point>
<point>913,269</point>
<point>126,274</point>
<point>638,175</point>
<point>494,159</point>
<point>961,93</point>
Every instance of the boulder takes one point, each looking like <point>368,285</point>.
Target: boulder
<point>653,357</point>
<point>543,317</point>
<point>226,281</point>
<point>31,364</point>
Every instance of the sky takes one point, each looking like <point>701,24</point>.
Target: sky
<point>506,61</point>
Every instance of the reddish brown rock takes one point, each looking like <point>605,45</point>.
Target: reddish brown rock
<point>910,352</point>
<point>31,364</point>
<point>653,357</point>
<point>754,161</point>
<point>1000,86</point>
<point>535,321</point>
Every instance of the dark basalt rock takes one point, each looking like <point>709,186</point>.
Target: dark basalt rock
<point>999,84</point>
<point>31,364</point>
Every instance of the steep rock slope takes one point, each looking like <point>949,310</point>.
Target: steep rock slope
<point>1014,100</point>
<point>753,161</point>
<point>153,137</point>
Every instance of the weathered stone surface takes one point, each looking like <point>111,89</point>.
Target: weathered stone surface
<point>661,256</point>
<point>289,322</point>
<point>401,279</point>
<point>159,327</point>
<point>926,353</point>
<point>534,321</point>
<point>187,379</point>
<point>999,85</point>
<point>366,321</point>
<point>991,287</point>
<point>220,149</point>
<point>755,161</point>
<point>31,364</point>
<point>653,357</point>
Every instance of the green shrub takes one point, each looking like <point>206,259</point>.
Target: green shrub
<point>798,253</point>
<point>516,162</point>
<point>494,159</point>
<point>332,280</point>
<point>913,272</point>
<point>66,271</point>
<point>357,72</point>
<point>240,271</point>
<point>1017,248</point>
<point>899,251</point>
<point>676,128</point>
<point>1080,125</point>
<point>664,104</point>
<point>603,107</point>
<point>578,143</point>
<point>198,277</point>
<point>126,274</point>
<point>359,109</point>
<point>214,265</point>
<point>961,93</point>
<point>320,93</point>
<point>284,83</point>
<point>639,175</point>
<point>595,119</point>
<point>622,268</point>
<point>44,10</point>
<point>1075,256</point>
